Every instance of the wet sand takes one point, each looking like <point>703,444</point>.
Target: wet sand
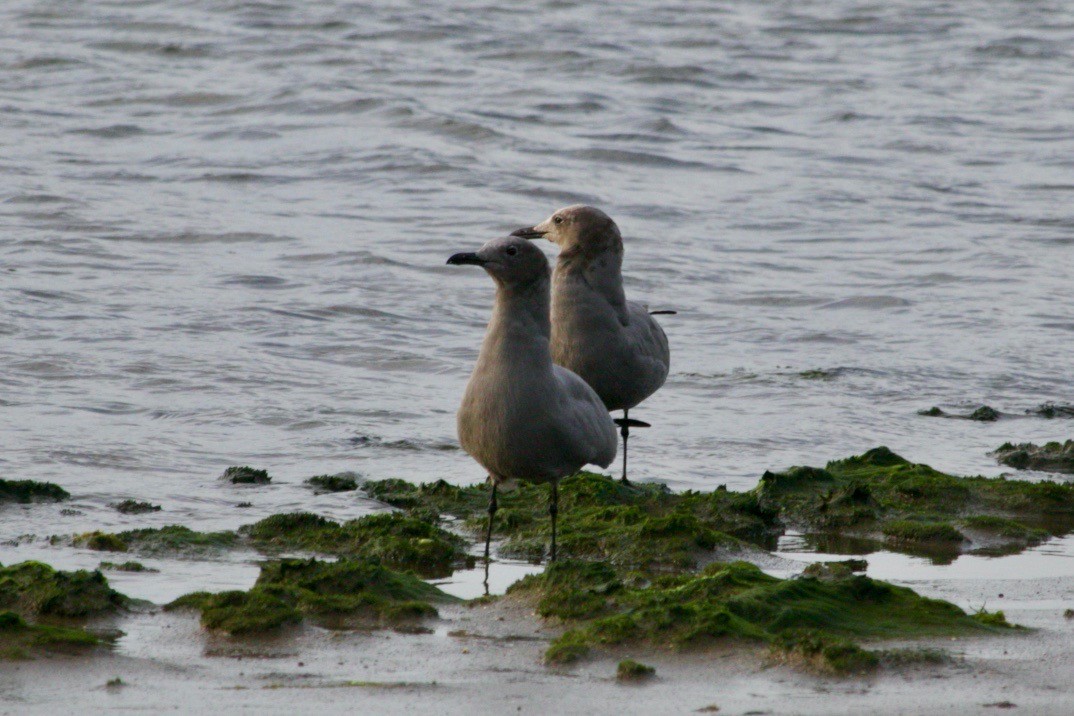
<point>488,659</point>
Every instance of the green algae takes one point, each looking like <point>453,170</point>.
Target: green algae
<point>172,539</point>
<point>630,670</point>
<point>100,542</point>
<point>878,497</point>
<point>346,592</point>
<point>342,482</point>
<point>813,618</point>
<point>20,639</point>
<point>129,566</point>
<point>399,541</point>
<point>916,508</point>
<point>246,475</point>
<point>1050,457</point>
<point>637,525</point>
<point>134,507</point>
<point>814,651</point>
<point>25,491</point>
<point>1052,410</point>
<point>919,531</point>
<point>34,590</point>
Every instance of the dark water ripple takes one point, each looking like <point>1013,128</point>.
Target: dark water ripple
<point>224,226</point>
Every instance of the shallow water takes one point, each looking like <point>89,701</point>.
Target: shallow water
<point>223,229</point>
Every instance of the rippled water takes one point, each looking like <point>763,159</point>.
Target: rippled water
<point>223,228</point>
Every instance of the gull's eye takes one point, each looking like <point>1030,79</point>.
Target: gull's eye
<point>511,250</point>
<point>557,220</point>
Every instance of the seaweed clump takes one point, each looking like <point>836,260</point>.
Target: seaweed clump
<point>129,566</point>
<point>912,507</point>
<point>630,670</point>
<point>343,593</point>
<point>342,482</point>
<point>1053,410</point>
<point>173,539</point>
<point>808,620</point>
<point>399,541</point>
<point>34,589</point>
<point>983,414</point>
<point>1050,457</point>
<point>33,594</point>
<point>246,475</point>
<point>19,639</point>
<point>24,491</point>
<point>134,507</point>
<point>633,525</point>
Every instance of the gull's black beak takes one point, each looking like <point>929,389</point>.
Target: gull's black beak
<point>528,233</point>
<point>467,258</point>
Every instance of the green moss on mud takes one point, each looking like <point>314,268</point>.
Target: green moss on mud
<point>399,541</point>
<point>881,495</point>
<point>1049,457</point>
<point>813,618</point>
<point>636,525</point>
<point>331,593</point>
<point>24,491</point>
<point>34,590</point>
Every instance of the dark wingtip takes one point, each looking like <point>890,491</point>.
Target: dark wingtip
<point>663,313</point>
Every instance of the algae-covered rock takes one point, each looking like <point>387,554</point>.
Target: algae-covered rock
<point>630,670</point>
<point>814,651</point>
<point>31,491</point>
<point>171,540</point>
<point>176,539</point>
<point>813,617</point>
<point>129,566</point>
<point>835,570</point>
<point>912,507</point>
<point>100,541</point>
<point>334,593</point>
<point>1053,410</point>
<point>399,541</point>
<point>246,475</point>
<point>134,507</point>
<point>641,525</point>
<point>34,589</point>
<point>983,414</point>
<point>19,639</point>
<point>342,482</point>
<point>1049,457</point>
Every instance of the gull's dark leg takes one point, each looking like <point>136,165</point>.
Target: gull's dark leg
<point>624,430</point>
<point>488,533</point>
<point>553,510</point>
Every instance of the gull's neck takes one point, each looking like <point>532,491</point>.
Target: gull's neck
<point>520,322</point>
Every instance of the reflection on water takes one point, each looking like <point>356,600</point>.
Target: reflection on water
<point>1054,558</point>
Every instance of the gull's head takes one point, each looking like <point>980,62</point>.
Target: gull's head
<point>511,261</point>
<point>576,229</point>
